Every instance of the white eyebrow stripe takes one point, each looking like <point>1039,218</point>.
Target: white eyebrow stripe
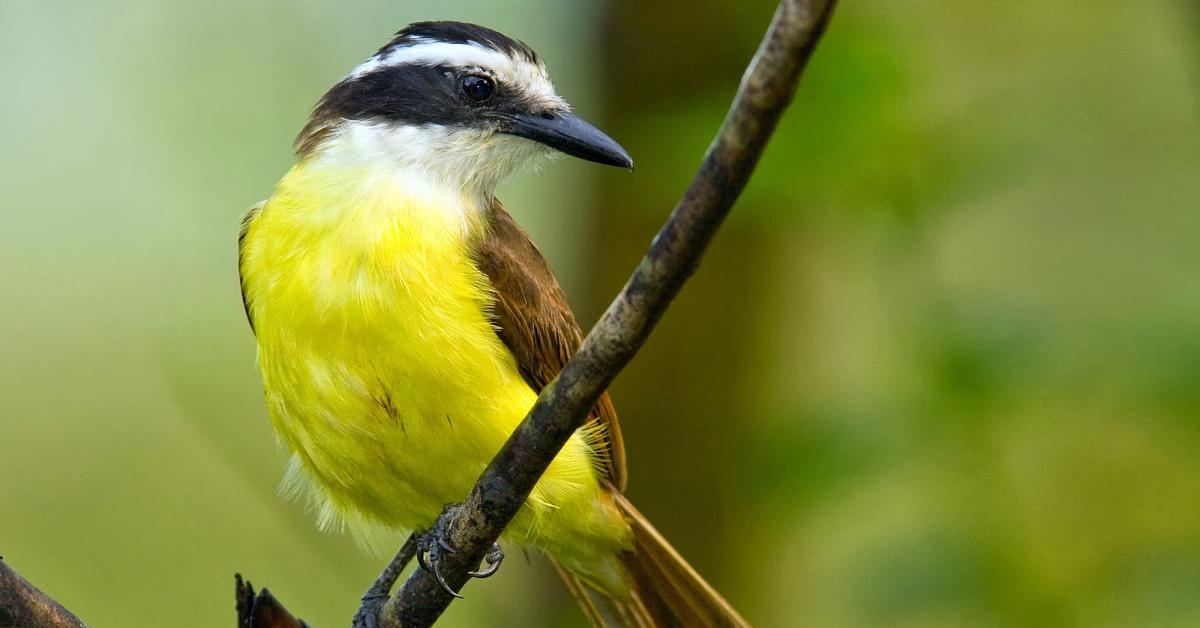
<point>530,76</point>
<point>439,53</point>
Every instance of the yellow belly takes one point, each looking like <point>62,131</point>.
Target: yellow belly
<point>382,372</point>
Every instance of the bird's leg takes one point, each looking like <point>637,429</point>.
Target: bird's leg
<point>433,545</point>
<point>376,596</point>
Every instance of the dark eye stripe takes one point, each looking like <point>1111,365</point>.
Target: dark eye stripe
<point>415,94</point>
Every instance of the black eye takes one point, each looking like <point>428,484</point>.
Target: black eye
<point>478,88</point>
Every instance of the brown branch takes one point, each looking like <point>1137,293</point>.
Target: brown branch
<point>261,610</point>
<point>766,91</point>
<point>22,604</point>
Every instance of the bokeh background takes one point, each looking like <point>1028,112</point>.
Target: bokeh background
<point>941,367</point>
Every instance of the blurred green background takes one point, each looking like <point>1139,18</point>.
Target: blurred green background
<point>941,368</point>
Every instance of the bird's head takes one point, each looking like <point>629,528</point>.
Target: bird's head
<point>459,102</point>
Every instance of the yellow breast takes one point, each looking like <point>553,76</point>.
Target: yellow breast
<point>382,371</point>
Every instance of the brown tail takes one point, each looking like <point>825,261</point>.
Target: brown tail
<point>665,591</point>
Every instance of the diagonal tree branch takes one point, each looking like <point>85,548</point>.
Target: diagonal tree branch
<point>766,91</point>
<point>22,604</point>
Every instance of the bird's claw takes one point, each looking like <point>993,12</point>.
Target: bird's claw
<point>429,557</point>
<point>493,558</point>
<point>433,545</point>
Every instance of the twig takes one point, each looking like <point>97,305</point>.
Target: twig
<point>766,90</point>
<point>261,610</point>
<point>22,604</point>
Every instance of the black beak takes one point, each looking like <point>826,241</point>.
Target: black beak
<point>569,133</point>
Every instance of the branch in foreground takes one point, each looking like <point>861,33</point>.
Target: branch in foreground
<point>261,610</point>
<point>22,604</point>
<point>766,90</point>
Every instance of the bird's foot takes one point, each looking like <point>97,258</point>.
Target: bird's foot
<point>370,610</point>
<point>373,601</point>
<point>433,547</point>
<point>493,558</point>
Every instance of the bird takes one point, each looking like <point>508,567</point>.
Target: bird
<point>405,323</point>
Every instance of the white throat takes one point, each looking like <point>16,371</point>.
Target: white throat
<point>468,163</point>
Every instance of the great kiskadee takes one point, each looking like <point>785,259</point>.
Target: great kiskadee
<point>405,323</point>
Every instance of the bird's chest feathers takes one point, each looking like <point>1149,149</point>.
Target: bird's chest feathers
<point>367,301</point>
<point>382,370</point>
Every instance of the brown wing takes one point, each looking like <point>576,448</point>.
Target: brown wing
<point>535,322</point>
